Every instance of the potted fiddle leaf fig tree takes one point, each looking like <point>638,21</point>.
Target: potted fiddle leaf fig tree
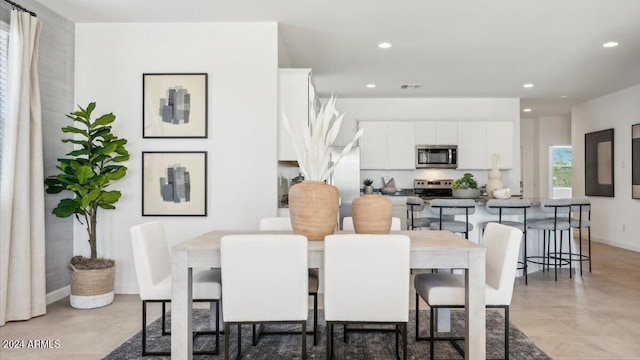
<point>87,172</point>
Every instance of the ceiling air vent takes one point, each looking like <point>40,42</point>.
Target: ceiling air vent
<point>410,86</point>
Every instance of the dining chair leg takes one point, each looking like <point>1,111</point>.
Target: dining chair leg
<point>227,330</point>
<point>396,333</point>
<point>315,319</point>
<point>432,334</point>
<point>417,317</point>
<point>239,340</point>
<point>506,332</point>
<point>304,339</point>
<point>329,340</point>
<point>164,319</point>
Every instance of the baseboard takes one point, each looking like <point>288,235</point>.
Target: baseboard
<point>617,244</point>
<point>126,289</point>
<point>58,294</point>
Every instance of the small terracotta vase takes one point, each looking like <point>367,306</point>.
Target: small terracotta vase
<point>314,207</point>
<point>371,214</point>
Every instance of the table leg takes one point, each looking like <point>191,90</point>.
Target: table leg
<point>181,307</point>
<point>475,346</point>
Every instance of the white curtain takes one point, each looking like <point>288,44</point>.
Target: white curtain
<point>22,247</point>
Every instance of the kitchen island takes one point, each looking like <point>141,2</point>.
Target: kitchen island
<point>479,217</point>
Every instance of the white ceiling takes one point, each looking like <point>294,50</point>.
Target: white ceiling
<point>454,48</point>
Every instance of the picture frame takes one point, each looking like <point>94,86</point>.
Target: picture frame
<point>175,105</point>
<point>174,183</point>
<point>599,163</point>
<point>635,161</point>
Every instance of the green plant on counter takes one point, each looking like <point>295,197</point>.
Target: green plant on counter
<point>367,182</point>
<point>465,182</point>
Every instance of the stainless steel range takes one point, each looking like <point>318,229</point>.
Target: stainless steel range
<point>429,189</point>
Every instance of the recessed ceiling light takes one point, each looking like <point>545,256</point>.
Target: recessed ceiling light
<point>384,45</point>
<point>526,110</point>
<point>610,44</point>
<point>563,96</point>
<point>371,85</point>
<point>527,85</point>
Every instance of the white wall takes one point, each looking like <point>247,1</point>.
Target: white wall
<point>441,109</point>
<point>551,131</point>
<point>619,111</point>
<point>242,61</point>
<point>529,148</point>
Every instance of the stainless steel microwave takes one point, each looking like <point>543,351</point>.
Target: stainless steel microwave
<point>436,156</point>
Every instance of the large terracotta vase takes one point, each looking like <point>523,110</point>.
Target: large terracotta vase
<point>371,214</point>
<point>314,207</point>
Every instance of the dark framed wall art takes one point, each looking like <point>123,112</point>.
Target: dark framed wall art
<point>635,161</point>
<point>174,105</point>
<point>174,183</point>
<point>598,163</point>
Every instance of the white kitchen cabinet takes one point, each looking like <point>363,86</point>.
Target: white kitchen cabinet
<point>295,89</point>
<point>387,145</point>
<point>472,145</point>
<point>425,132</point>
<point>436,132</point>
<point>500,140</point>
<point>400,145</point>
<point>446,133</point>
<point>478,140</point>
<point>373,145</point>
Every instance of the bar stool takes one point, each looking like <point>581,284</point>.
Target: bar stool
<point>580,206</point>
<point>416,204</point>
<point>450,207</point>
<point>560,208</point>
<point>512,207</point>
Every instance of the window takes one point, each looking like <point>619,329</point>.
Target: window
<point>561,171</point>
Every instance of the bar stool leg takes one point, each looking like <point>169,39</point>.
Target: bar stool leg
<point>555,250</point>
<point>580,242</point>
<point>524,266</point>
<point>589,242</point>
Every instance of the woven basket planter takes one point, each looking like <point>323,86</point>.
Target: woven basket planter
<point>314,209</point>
<point>92,288</point>
<point>371,214</point>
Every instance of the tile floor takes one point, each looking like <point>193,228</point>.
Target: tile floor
<point>596,316</point>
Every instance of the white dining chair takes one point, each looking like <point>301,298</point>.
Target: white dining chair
<point>153,271</point>
<point>266,281</point>
<point>445,290</point>
<point>284,224</point>
<point>347,224</point>
<point>366,281</point>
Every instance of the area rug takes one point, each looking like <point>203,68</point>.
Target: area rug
<point>361,345</point>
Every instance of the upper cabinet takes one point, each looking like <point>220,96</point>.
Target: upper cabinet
<point>478,140</point>
<point>296,94</point>
<point>436,132</point>
<point>500,141</point>
<point>387,145</point>
<point>472,145</point>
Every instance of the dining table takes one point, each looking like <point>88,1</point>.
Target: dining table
<point>430,249</point>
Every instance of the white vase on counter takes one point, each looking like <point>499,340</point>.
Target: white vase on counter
<point>495,177</point>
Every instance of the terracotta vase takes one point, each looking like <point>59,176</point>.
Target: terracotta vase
<point>314,207</point>
<point>371,214</point>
